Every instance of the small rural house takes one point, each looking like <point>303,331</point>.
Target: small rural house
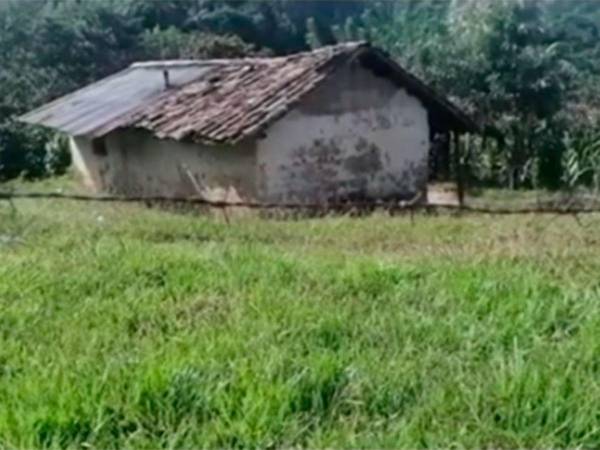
<point>338,123</point>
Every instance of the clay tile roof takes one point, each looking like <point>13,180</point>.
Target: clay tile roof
<point>221,101</point>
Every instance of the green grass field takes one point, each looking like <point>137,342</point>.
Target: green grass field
<point>126,327</point>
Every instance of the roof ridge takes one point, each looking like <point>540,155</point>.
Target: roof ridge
<point>153,64</point>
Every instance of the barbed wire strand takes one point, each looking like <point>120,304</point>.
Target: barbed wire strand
<point>413,205</point>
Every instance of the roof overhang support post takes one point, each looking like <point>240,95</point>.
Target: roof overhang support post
<point>166,78</point>
<point>459,168</point>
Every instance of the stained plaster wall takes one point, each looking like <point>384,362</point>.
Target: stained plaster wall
<point>136,163</point>
<point>358,136</point>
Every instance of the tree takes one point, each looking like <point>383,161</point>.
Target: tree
<point>500,60</point>
<point>173,43</point>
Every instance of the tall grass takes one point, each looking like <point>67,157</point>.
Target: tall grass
<point>123,327</point>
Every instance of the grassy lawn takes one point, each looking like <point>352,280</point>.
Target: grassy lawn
<point>126,327</point>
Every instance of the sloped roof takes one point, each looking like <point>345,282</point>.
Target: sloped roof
<point>107,104</point>
<point>222,101</point>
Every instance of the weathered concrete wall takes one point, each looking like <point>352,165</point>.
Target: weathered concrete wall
<point>357,136</point>
<point>138,164</point>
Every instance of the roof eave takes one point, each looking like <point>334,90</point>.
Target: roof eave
<point>459,121</point>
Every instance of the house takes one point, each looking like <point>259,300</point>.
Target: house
<point>342,122</point>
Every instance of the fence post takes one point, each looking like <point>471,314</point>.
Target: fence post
<point>458,167</point>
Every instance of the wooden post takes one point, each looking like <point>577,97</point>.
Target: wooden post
<point>458,168</point>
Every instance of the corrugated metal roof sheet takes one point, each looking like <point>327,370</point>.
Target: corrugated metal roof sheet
<point>107,104</point>
<point>219,101</point>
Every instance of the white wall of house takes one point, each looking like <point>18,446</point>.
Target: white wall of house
<point>136,163</point>
<point>357,136</point>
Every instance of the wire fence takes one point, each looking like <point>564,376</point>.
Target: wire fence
<point>563,206</point>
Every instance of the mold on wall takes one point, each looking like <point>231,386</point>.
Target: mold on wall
<point>138,164</point>
<point>358,136</point>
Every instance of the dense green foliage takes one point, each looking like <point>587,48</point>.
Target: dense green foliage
<point>124,327</point>
<point>526,70</point>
